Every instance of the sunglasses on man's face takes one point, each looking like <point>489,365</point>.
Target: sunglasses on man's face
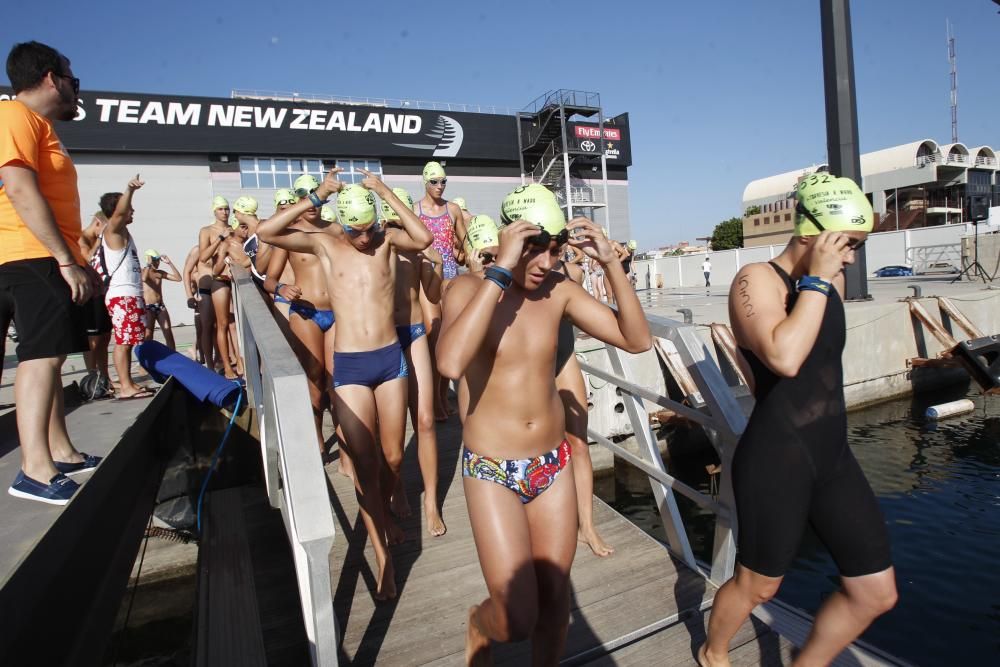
<point>435,181</point>
<point>74,82</point>
<point>852,244</point>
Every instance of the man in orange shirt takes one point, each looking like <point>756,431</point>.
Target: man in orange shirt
<point>41,267</point>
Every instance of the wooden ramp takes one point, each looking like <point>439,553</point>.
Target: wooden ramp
<point>641,604</point>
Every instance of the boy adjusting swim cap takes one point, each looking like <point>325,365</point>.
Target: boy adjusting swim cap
<point>152,254</point>
<point>534,203</point>
<point>461,203</point>
<point>836,202</point>
<point>482,233</point>
<point>219,202</point>
<point>404,196</point>
<point>327,213</point>
<point>246,204</point>
<point>356,206</point>
<point>433,170</point>
<point>304,184</point>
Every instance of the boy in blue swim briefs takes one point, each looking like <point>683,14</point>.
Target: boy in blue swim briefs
<point>358,260</point>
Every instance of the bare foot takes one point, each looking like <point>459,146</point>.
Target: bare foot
<point>400,506</point>
<point>705,661</point>
<point>344,466</point>
<point>477,645</point>
<point>435,524</point>
<point>393,533</point>
<point>596,544</point>
<point>385,585</point>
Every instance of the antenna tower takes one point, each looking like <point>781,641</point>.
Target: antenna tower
<point>954,82</point>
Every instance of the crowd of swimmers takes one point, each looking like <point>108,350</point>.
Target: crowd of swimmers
<point>388,301</point>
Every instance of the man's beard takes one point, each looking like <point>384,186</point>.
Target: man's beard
<point>69,112</point>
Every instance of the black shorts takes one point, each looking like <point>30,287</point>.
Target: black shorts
<point>48,323</point>
<point>96,319</point>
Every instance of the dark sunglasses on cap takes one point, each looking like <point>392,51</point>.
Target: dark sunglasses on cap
<point>75,82</point>
<point>282,202</point>
<point>435,181</point>
<point>853,244</point>
<point>302,193</point>
<point>543,238</point>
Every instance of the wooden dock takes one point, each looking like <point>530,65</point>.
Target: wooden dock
<point>638,607</point>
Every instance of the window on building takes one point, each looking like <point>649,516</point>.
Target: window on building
<point>270,173</point>
<point>788,217</point>
<point>756,222</point>
<point>767,220</point>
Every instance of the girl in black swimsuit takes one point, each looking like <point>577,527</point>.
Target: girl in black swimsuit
<point>792,465</point>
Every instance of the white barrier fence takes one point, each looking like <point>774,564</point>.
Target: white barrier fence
<point>882,249</point>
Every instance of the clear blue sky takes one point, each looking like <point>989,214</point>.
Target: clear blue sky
<point>719,93</point>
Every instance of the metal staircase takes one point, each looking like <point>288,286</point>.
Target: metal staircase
<point>552,156</point>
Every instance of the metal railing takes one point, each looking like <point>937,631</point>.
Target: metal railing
<point>388,102</point>
<point>565,97</point>
<point>983,161</point>
<point>718,413</point>
<point>959,158</point>
<point>934,257</point>
<point>293,471</point>
<point>928,159</point>
<point>545,164</point>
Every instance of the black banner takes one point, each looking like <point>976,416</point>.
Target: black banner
<point>182,124</point>
<point>617,147</point>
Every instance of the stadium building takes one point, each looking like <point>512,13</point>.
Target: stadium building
<point>189,149</point>
<point>921,184</point>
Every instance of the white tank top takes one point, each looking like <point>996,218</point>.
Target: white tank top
<point>126,273</point>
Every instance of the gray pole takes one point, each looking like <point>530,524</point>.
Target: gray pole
<point>842,116</point>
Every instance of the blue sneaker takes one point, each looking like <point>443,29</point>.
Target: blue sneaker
<point>57,492</point>
<point>88,463</point>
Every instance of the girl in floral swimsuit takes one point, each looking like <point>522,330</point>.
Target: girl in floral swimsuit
<point>439,216</point>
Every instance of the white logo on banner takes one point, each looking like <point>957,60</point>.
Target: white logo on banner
<point>449,135</point>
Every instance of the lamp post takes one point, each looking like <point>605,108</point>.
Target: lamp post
<point>842,118</point>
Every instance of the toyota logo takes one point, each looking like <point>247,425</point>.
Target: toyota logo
<point>588,145</point>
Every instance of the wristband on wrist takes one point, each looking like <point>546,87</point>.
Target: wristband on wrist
<point>315,200</point>
<point>814,284</point>
<point>499,275</point>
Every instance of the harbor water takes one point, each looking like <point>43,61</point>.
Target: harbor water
<point>938,484</point>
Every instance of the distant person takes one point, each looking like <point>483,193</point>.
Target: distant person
<point>96,385</point>
<point>124,280</point>
<point>442,218</point>
<point>793,465</point>
<point>41,267</point>
<point>216,311</point>
<point>152,292</point>
<point>189,280</point>
<point>706,268</point>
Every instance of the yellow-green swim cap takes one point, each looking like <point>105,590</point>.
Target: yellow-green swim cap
<point>433,170</point>
<point>482,233</point>
<point>534,203</point>
<point>356,207</point>
<point>404,196</point>
<point>837,203</point>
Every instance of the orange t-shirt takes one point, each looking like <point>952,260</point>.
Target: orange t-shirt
<point>29,140</point>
